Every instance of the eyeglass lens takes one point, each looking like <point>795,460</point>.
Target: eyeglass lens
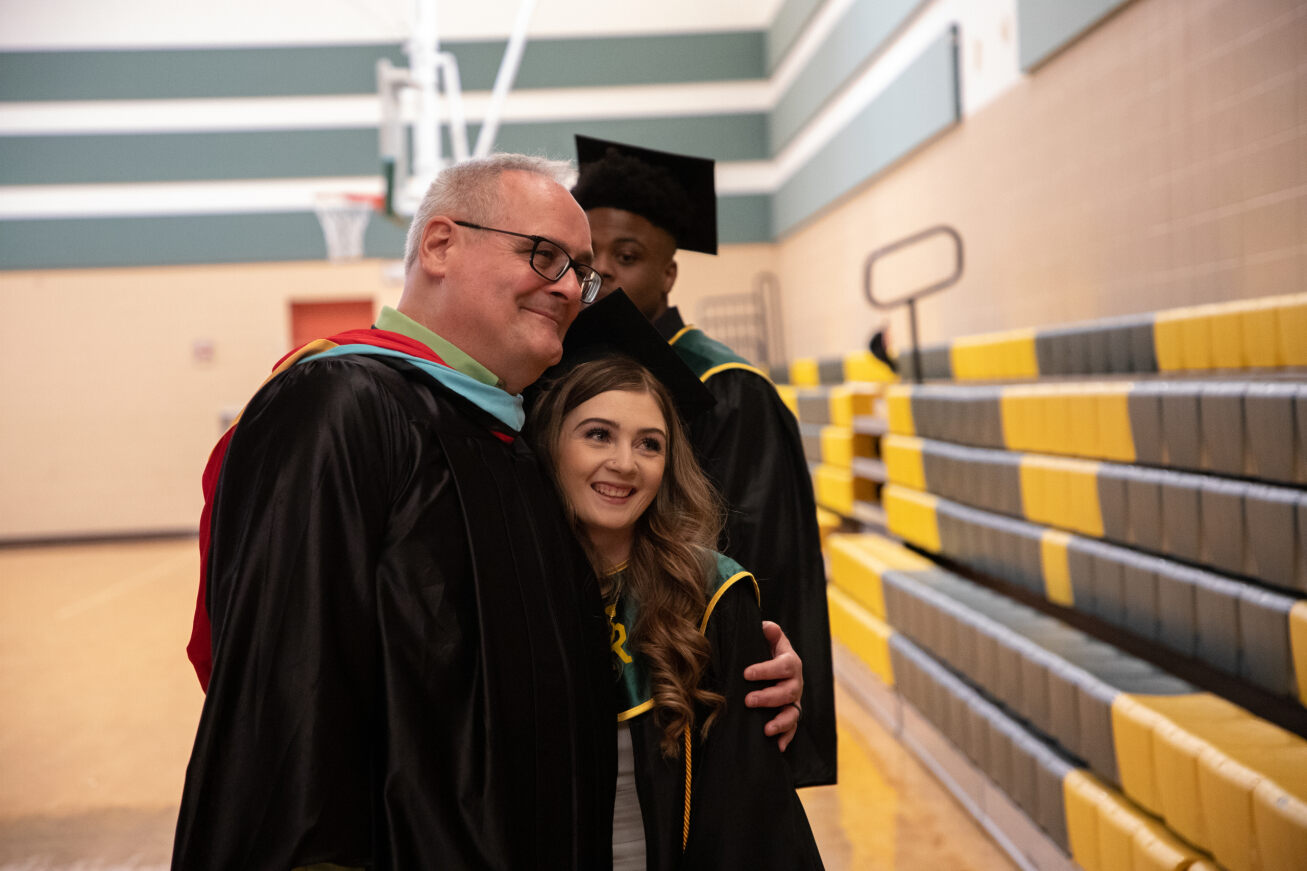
<point>551,262</point>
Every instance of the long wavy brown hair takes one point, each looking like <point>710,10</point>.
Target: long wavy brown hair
<point>672,549</point>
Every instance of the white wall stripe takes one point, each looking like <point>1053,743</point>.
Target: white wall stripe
<point>363,110</point>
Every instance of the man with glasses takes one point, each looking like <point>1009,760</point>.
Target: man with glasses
<point>408,664</point>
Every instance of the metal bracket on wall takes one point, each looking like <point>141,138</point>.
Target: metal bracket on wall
<point>911,299</point>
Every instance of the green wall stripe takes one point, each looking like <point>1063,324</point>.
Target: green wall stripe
<point>268,237</point>
<point>182,239</point>
<point>789,23</point>
<point>351,69</point>
<point>917,106</point>
<point>312,153</point>
<point>859,34</point>
<point>1045,27</point>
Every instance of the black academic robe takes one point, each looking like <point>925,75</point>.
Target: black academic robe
<point>409,660</point>
<point>744,812</point>
<point>749,445</point>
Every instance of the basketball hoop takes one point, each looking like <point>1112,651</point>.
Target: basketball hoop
<point>344,219</point>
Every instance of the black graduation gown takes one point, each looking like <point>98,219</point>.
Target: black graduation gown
<point>409,663</point>
<point>749,445</point>
<point>744,812</point>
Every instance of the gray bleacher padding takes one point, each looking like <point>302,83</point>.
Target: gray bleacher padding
<point>779,373</point>
<point>1109,584</point>
<point>1113,503</point>
<point>1272,540</point>
<point>1094,698</point>
<point>1216,620</point>
<point>1145,407</point>
<point>1180,523</point>
<point>1143,345</point>
<point>1140,599</point>
<point>1080,565</point>
<point>1269,411</point>
<point>1300,439</point>
<point>1051,351</point>
<point>936,362</point>
<point>1267,659</point>
<point>810,433</point>
<point>814,405</point>
<point>1177,621</point>
<point>1180,432</point>
<point>830,371</point>
<point>1220,504</point>
<point>1096,337</point>
<point>1016,761</point>
<point>1300,574</point>
<point>1221,417</point>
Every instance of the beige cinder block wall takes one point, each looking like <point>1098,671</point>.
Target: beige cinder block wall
<point>108,414</point>
<point>1160,161</point>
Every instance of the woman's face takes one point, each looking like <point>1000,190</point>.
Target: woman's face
<point>611,454</point>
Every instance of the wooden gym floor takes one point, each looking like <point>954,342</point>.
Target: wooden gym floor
<point>98,707</point>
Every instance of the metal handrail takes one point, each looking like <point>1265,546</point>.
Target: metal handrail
<point>911,299</point>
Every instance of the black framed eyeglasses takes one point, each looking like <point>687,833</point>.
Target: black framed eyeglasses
<point>551,262</point>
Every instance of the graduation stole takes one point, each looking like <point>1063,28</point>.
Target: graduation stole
<point>633,689</point>
<point>507,409</point>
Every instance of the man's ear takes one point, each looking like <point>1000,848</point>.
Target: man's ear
<point>669,276</point>
<point>434,249</point>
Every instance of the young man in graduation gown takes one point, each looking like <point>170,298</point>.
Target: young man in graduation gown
<point>642,206</point>
<point>408,655</point>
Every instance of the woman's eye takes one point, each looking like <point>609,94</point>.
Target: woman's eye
<point>597,433</point>
<point>651,445</point>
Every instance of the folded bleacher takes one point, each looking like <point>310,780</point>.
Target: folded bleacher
<point>1165,505</point>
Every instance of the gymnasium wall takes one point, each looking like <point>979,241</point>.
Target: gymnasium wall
<point>1153,161</point>
<point>1158,161</point>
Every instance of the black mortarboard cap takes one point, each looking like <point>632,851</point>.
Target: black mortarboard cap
<point>676,192</point>
<point>613,325</point>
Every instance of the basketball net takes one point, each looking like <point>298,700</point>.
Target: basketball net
<point>344,219</point>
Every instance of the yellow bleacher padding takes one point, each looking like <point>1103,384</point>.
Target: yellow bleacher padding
<point>912,516</point>
<point>1056,420</point>
<point>803,372</point>
<point>1080,797</point>
<point>1133,725</point>
<point>1259,325</point>
<point>837,446</point>
<point>827,523</point>
<point>1224,779</point>
<point>857,572</point>
<point>1116,440</point>
<point>847,403</point>
<point>1014,417</point>
<point>862,632</point>
<point>834,489</point>
<point>1226,323</point>
<point>1292,324</point>
<point>1196,339</point>
<point>1298,644</point>
<point>862,366</point>
<point>1041,490</point>
<point>898,402</point>
<point>1168,339</point>
<point>1175,753</point>
<point>790,397</point>
<point>1082,428</point>
<point>1083,511</point>
<point>1117,827</point>
<point>903,461</point>
<point>1158,849</point>
<point>1056,567</point>
<point>1281,825</point>
<point>994,355</point>
<point>891,552</point>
